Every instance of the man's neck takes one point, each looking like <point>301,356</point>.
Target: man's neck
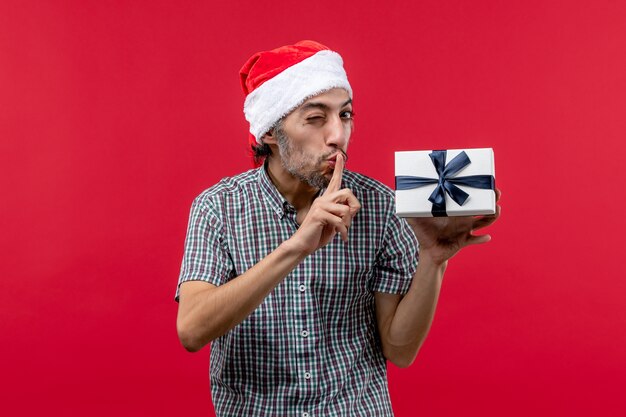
<point>298,193</point>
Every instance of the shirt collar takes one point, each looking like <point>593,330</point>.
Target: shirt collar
<point>271,195</point>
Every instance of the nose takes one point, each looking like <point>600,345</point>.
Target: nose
<point>338,133</point>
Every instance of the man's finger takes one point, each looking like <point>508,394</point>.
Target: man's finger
<point>486,220</point>
<point>352,202</point>
<point>346,197</point>
<point>335,181</point>
<point>478,239</point>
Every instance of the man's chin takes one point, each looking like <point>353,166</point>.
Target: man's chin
<point>319,181</point>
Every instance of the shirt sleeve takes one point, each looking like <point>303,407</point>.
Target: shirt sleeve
<point>397,259</point>
<point>206,256</point>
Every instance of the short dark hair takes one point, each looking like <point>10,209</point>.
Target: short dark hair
<point>260,151</point>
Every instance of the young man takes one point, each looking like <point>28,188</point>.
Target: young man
<point>299,272</point>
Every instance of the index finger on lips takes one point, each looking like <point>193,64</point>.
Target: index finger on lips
<point>335,181</point>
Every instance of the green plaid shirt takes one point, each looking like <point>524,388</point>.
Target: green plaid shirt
<point>311,348</point>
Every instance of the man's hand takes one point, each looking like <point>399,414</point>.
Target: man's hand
<point>329,214</point>
<point>441,238</point>
<point>207,311</point>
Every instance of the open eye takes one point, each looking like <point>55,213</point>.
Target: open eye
<point>347,114</point>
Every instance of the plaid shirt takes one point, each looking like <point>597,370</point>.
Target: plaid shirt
<point>311,348</point>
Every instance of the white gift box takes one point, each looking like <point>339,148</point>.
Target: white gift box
<point>417,180</point>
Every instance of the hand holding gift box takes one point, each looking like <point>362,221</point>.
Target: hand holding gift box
<point>440,193</point>
<point>445,183</point>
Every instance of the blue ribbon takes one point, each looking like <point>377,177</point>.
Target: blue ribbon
<point>445,182</point>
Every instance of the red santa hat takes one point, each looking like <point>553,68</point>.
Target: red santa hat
<point>276,82</point>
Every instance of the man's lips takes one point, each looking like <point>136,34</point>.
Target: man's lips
<point>332,161</point>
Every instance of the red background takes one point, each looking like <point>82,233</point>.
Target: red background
<point>115,114</point>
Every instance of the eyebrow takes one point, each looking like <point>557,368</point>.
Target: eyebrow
<point>322,106</point>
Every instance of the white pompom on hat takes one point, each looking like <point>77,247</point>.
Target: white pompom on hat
<point>276,82</point>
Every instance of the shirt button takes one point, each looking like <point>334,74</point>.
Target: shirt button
<point>302,288</point>
<point>304,333</point>
<point>305,414</point>
<point>307,375</point>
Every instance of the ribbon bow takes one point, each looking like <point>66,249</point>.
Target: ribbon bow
<point>445,182</point>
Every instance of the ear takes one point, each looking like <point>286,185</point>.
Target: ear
<point>269,138</point>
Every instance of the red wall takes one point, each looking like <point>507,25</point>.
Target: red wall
<point>114,115</point>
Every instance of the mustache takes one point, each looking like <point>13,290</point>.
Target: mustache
<point>329,154</point>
